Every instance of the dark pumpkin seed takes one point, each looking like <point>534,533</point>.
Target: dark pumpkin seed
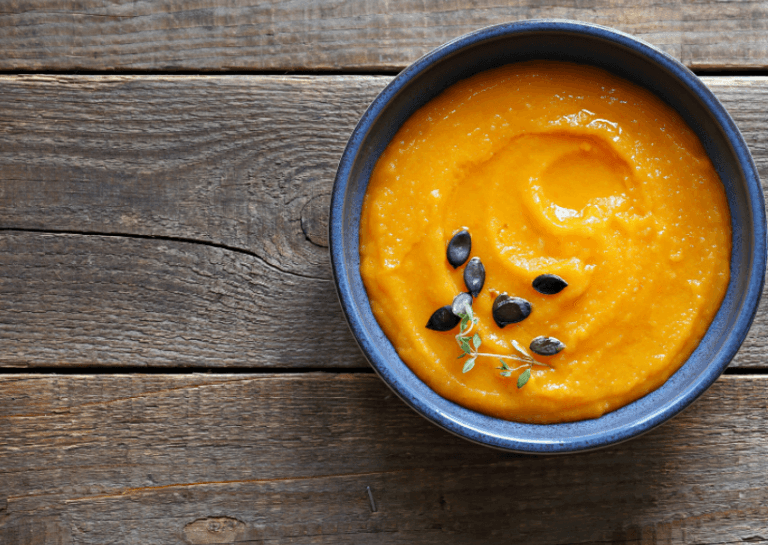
<point>474,276</point>
<point>510,310</point>
<point>459,248</point>
<point>546,346</point>
<point>443,319</point>
<point>549,284</point>
<point>460,302</point>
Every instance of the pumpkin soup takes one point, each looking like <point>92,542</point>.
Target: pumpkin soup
<point>544,242</point>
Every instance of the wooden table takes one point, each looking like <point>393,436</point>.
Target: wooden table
<point>174,365</point>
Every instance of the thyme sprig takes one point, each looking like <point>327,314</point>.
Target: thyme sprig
<point>470,343</point>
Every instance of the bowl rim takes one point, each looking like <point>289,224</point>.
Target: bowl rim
<point>696,387</point>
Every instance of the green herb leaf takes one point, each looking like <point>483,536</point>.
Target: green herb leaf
<point>465,345</point>
<point>476,341</point>
<point>523,378</point>
<point>462,356</point>
<point>504,366</point>
<point>468,365</point>
<point>506,373</point>
<point>464,323</point>
<point>520,349</point>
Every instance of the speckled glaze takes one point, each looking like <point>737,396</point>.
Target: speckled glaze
<point>629,58</point>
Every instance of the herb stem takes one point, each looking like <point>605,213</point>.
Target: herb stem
<point>470,344</point>
<point>512,369</point>
<point>530,361</point>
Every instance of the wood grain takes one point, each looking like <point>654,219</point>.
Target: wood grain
<point>287,459</point>
<point>197,179</point>
<point>242,162</point>
<point>216,35</point>
<point>73,300</point>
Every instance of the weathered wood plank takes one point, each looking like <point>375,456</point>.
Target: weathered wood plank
<point>236,161</point>
<point>287,459</point>
<point>328,35</point>
<point>72,300</point>
<point>242,164</point>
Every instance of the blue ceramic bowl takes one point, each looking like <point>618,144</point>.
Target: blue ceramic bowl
<point>624,56</point>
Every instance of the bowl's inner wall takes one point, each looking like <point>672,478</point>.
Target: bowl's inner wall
<point>621,60</point>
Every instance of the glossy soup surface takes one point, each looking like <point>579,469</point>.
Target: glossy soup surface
<point>552,168</point>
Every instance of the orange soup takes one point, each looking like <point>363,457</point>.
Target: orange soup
<point>550,169</point>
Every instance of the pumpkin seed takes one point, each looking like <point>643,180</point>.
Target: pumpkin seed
<point>460,302</point>
<point>443,319</point>
<point>459,248</point>
<point>510,310</point>
<point>546,346</point>
<point>474,276</point>
<point>549,284</point>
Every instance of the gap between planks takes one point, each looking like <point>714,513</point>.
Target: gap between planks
<point>138,370</point>
<point>702,72</point>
